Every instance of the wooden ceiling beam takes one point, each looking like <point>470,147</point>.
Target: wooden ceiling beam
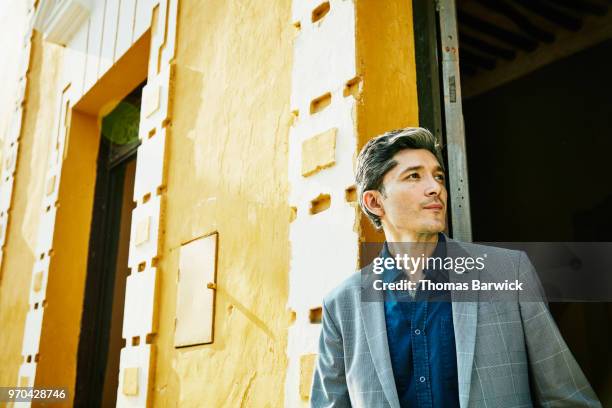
<point>486,47</point>
<point>473,58</point>
<point>596,30</point>
<point>580,6</point>
<point>519,19</point>
<point>552,14</point>
<point>508,37</point>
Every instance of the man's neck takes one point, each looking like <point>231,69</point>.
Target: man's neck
<point>409,236</point>
<point>412,244</point>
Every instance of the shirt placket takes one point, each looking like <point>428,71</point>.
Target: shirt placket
<point>420,354</point>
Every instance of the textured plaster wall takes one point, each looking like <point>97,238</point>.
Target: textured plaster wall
<point>385,59</point>
<point>13,20</point>
<point>65,290</point>
<point>227,172</point>
<point>386,62</point>
<point>323,236</point>
<point>19,256</point>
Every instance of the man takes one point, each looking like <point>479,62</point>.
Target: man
<point>395,351</point>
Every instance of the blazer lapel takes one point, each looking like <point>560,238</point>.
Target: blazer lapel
<point>373,316</point>
<point>465,317</point>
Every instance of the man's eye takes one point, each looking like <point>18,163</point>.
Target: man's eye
<point>412,176</point>
<point>441,177</point>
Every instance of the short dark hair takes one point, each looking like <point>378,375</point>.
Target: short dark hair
<point>376,159</point>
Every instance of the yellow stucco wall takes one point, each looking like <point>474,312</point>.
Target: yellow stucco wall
<point>386,63</point>
<point>65,288</point>
<point>19,252</point>
<point>227,172</point>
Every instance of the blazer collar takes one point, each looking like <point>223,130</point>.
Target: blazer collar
<point>465,319</point>
<point>373,318</point>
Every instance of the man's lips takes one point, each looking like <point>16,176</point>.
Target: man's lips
<point>433,207</point>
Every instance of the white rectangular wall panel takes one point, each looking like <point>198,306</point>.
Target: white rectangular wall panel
<point>196,292</point>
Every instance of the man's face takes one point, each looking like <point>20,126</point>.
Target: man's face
<point>415,195</point>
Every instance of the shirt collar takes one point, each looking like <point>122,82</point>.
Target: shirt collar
<point>392,274</point>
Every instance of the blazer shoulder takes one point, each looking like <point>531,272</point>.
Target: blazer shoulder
<point>498,254</point>
<point>348,291</point>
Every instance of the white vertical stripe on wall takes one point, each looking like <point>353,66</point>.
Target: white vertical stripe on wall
<point>74,63</point>
<point>142,18</point>
<point>94,43</point>
<point>109,36</point>
<point>125,28</point>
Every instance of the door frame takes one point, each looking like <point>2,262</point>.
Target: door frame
<point>440,106</point>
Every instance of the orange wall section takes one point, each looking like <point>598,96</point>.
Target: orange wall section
<point>227,172</point>
<point>62,316</point>
<point>387,66</point>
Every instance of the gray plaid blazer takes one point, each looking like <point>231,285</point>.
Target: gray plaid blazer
<point>509,354</point>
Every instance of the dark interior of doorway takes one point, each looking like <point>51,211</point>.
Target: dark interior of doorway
<point>537,146</point>
<point>100,339</point>
<point>538,152</point>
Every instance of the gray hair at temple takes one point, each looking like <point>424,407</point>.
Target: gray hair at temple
<point>376,159</point>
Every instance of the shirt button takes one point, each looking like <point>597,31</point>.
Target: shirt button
<point>422,379</point>
<point>417,332</point>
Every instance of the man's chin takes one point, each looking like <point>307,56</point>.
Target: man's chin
<point>434,228</point>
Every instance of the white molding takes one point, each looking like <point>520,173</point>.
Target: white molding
<point>59,20</point>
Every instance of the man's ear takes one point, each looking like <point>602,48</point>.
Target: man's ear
<point>372,199</point>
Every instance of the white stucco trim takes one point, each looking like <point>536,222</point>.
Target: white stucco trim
<point>59,20</point>
<point>324,246</point>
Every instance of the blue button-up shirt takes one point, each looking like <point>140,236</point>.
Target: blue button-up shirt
<point>421,341</point>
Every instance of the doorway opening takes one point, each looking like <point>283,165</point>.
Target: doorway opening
<point>100,340</point>
<point>537,119</point>
<point>537,128</point>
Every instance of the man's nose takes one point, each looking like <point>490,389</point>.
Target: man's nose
<point>433,188</point>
